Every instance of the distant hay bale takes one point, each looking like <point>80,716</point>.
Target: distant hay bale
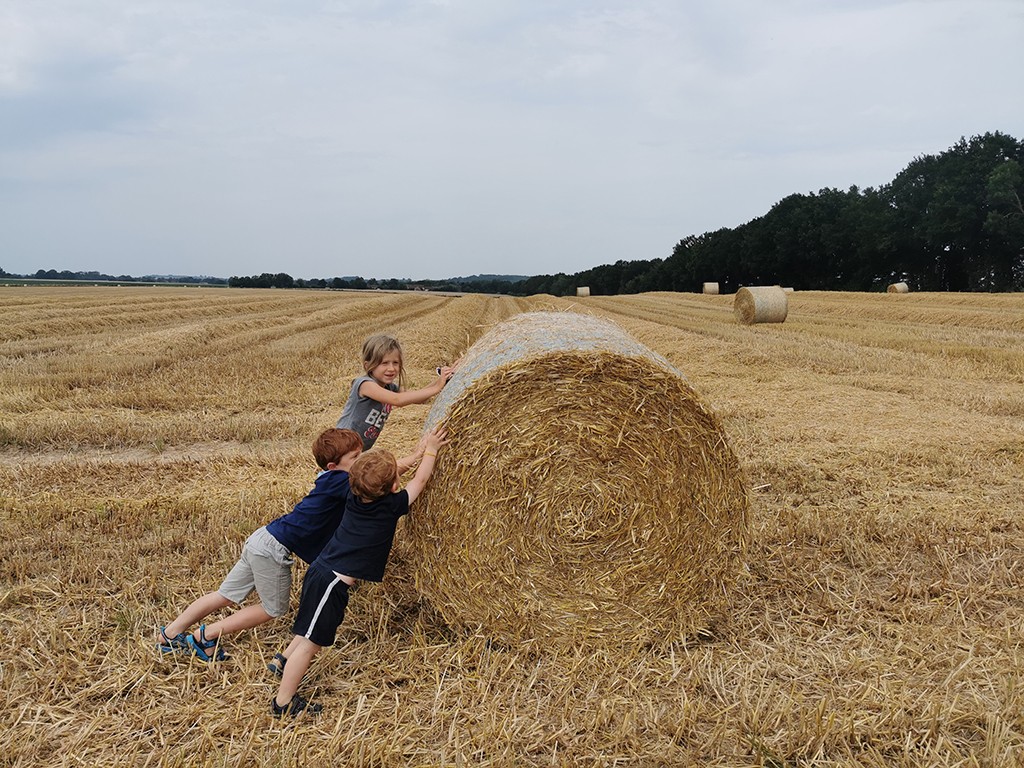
<point>898,288</point>
<point>787,289</point>
<point>760,304</point>
<point>711,289</point>
<point>588,495</point>
<point>583,291</point>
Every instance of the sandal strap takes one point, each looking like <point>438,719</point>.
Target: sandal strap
<point>198,649</point>
<point>207,644</point>
<point>206,653</point>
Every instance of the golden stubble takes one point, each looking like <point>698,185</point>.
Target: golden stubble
<point>879,620</point>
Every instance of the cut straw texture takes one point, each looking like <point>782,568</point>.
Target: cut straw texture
<point>588,494</point>
<point>898,288</point>
<point>761,304</point>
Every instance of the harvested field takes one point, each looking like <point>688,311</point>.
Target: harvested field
<point>144,432</point>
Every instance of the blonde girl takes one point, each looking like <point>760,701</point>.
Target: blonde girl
<point>374,394</point>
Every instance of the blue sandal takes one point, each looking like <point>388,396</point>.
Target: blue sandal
<point>176,644</point>
<point>201,648</point>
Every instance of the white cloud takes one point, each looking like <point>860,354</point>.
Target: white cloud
<point>430,139</point>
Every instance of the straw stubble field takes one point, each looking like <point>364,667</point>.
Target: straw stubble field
<point>879,620</point>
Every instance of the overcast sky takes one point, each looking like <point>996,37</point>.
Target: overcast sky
<point>442,138</point>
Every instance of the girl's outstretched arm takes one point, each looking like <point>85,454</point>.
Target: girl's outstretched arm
<point>375,391</point>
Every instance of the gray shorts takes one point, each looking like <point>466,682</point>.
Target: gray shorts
<point>266,566</point>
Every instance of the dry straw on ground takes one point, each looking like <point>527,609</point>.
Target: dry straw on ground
<point>711,289</point>
<point>898,288</point>
<point>760,304</point>
<point>145,432</point>
<point>589,494</point>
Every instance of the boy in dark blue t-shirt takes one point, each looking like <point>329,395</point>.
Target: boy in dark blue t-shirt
<point>359,549</point>
<point>269,553</point>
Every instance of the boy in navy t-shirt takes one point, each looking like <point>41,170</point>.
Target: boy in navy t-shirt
<point>359,549</point>
<point>269,553</point>
<point>267,557</point>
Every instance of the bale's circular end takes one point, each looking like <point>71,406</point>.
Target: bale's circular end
<point>761,304</point>
<point>588,494</point>
<point>898,288</point>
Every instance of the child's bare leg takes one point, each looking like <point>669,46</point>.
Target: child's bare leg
<point>246,618</point>
<point>297,640</point>
<point>301,655</point>
<point>196,612</point>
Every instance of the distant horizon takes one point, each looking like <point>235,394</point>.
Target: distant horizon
<point>475,277</point>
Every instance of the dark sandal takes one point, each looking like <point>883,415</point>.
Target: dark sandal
<point>295,707</point>
<point>277,665</point>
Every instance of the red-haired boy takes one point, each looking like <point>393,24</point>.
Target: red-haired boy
<point>359,549</point>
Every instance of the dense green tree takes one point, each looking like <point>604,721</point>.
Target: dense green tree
<point>1004,224</point>
<point>944,235</point>
<point>948,222</point>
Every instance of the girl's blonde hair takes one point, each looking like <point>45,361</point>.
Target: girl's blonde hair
<point>374,350</point>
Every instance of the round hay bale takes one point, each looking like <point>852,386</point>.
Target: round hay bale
<point>761,304</point>
<point>711,289</point>
<point>898,288</point>
<point>583,291</point>
<point>787,289</point>
<point>588,494</point>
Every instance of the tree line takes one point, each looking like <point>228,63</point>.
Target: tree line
<point>455,285</point>
<point>947,222</point>
<point>101,277</point>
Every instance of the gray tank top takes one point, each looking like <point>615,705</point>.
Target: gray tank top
<point>363,415</point>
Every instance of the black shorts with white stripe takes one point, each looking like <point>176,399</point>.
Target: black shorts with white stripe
<point>321,607</point>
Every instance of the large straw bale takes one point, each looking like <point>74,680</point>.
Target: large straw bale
<point>761,304</point>
<point>711,289</point>
<point>583,290</point>
<point>588,493</point>
<point>898,288</point>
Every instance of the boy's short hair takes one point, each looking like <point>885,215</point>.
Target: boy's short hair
<point>334,443</point>
<point>373,475</point>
